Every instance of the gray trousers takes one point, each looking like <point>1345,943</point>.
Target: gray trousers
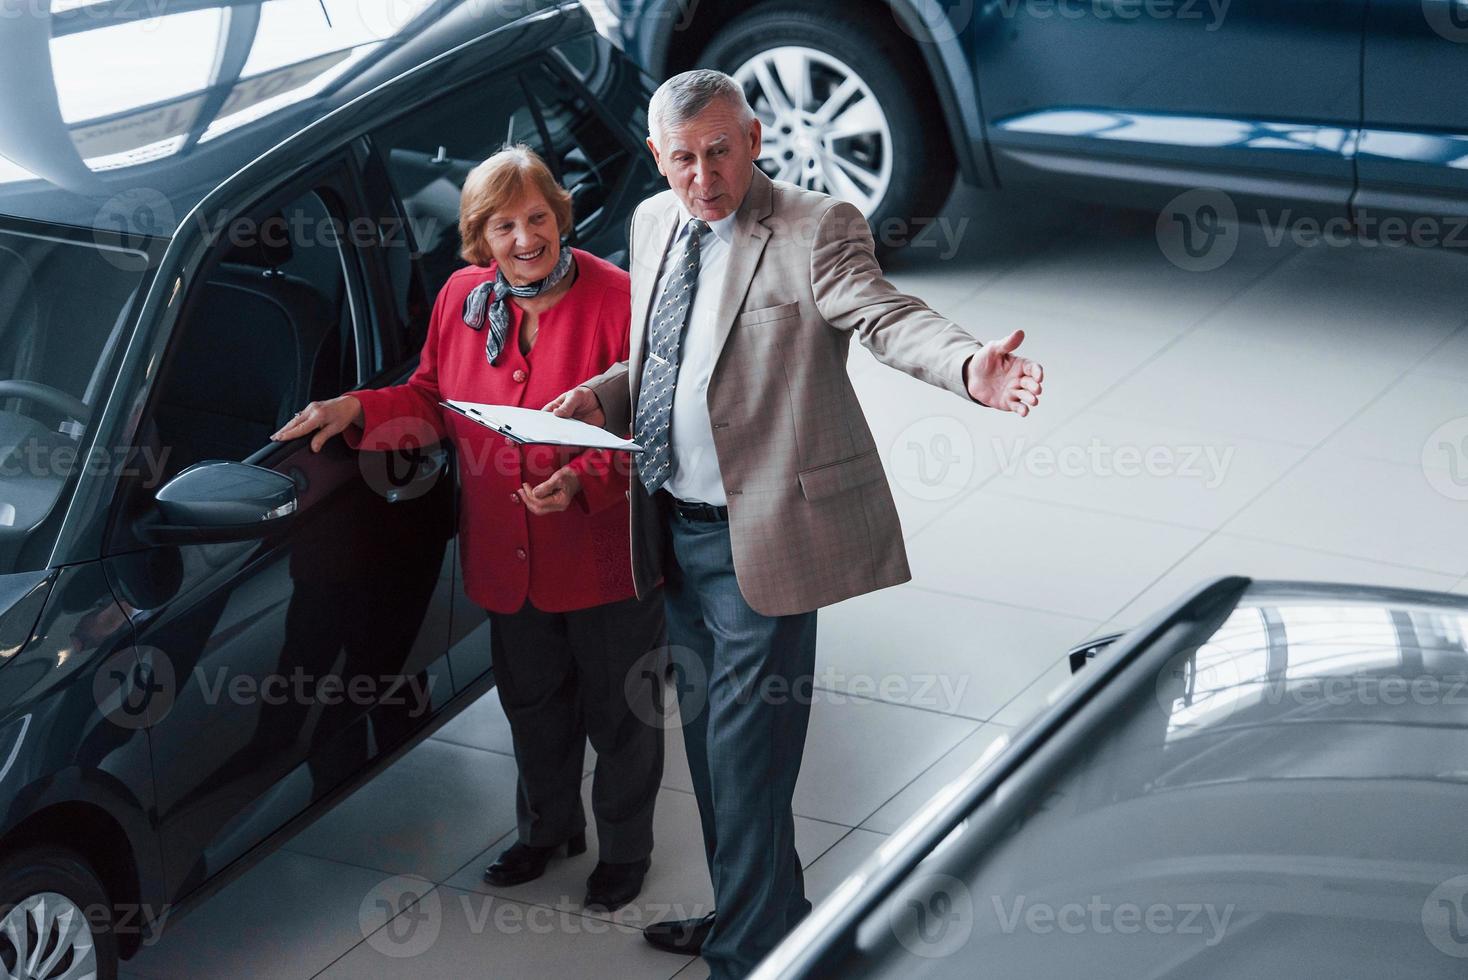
<point>744,689</point>
<point>566,677</point>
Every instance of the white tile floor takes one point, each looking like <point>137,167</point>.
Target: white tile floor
<point>1314,377</point>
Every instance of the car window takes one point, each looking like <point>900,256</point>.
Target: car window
<point>272,326</point>
<point>614,80</point>
<point>583,55</point>
<point>430,151</point>
<point>593,149</point>
<point>64,308</point>
<point>611,182</point>
<point>586,154</point>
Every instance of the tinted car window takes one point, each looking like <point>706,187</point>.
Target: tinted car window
<point>590,137</point>
<point>583,55</point>
<point>612,181</point>
<point>270,329</point>
<point>430,152</point>
<point>64,307</point>
<point>586,154</point>
<point>614,80</point>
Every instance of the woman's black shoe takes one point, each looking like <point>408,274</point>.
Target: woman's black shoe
<point>612,886</point>
<point>524,862</point>
<point>680,935</point>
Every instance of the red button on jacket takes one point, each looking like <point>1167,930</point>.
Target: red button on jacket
<point>578,557</point>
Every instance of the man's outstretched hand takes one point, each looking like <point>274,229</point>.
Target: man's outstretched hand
<point>580,404</point>
<point>1001,379</point>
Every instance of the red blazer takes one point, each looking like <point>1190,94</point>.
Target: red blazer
<point>579,557</point>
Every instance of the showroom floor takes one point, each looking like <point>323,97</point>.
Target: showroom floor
<point>1268,418</point>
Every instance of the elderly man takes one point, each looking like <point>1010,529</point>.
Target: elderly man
<point>761,495</point>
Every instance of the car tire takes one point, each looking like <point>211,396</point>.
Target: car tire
<point>919,162</point>
<point>28,875</point>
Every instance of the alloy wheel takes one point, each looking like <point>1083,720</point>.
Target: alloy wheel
<point>46,937</point>
<point>823,127</point>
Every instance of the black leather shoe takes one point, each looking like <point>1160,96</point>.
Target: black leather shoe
<point>612,886</point>
<point>524,862</point>
<point>684,936</point>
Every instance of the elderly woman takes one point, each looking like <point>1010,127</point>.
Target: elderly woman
<point>544,529</point>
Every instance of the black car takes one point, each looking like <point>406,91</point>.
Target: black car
<point>1264,780</point>
<point>211,214</point>
<point>1294,111</point>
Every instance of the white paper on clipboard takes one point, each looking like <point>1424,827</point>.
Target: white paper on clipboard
<point>530,426</point>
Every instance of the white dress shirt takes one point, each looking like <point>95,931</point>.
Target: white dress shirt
<point>695,465</point>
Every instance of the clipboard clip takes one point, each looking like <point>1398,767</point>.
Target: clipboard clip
<point>479,417</point>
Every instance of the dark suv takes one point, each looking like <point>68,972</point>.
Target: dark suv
<point>207,638</point>
<point>1349,110</point>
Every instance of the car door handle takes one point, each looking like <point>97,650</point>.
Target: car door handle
<point>429,468</point>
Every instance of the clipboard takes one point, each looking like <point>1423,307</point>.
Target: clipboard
<point>529,427</point>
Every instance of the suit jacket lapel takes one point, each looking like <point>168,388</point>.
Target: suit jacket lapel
<point>750,238</point>
<point>655,235</point>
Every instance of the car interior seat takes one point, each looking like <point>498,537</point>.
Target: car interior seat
<point>255,343</point>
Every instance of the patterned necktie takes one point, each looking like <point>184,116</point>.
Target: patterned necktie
<point>660,369</point>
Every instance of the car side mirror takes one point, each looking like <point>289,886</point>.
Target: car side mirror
<point>220,500</point>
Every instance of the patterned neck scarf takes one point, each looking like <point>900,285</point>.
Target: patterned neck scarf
<point>494,295</point>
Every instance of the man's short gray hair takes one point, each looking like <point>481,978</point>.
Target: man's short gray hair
<point>684,96</point>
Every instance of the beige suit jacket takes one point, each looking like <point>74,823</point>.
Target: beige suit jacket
<point>811,517</point>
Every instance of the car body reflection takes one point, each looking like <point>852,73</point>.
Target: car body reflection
<point>1267,780</point>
